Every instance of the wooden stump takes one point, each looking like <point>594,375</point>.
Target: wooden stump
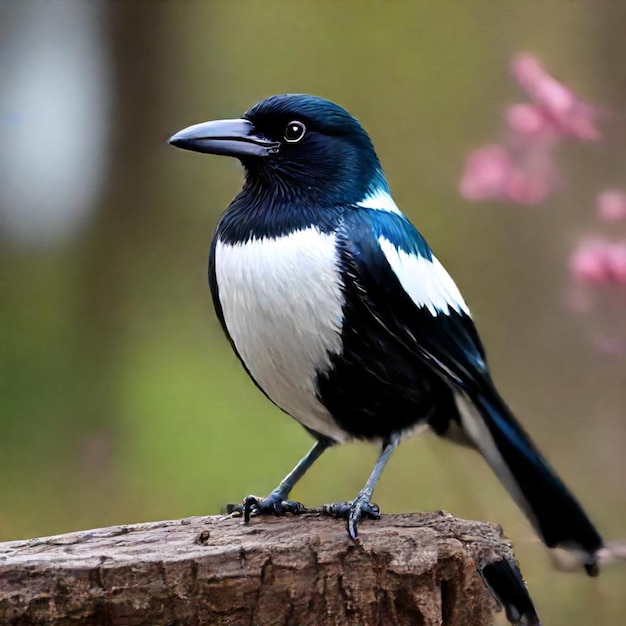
<point>418,570</point>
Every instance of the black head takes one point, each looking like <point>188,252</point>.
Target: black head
<point>307,145</point>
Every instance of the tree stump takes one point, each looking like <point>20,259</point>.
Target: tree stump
<point>417,569</point>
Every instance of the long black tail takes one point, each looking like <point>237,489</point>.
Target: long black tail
<point>552,509</point>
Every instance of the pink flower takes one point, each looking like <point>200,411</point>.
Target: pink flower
<point>588,262</point>
<point>599,261</point>
<point>527,187</point>
<point>502,173</point>
<point>486,172</point>
<point>616,262</point>
<point>528,121</point>
<point>611,205</point>
<point>568,115</point>
<point>521,169</point>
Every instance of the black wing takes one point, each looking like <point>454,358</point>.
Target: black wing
<point>445,340</point>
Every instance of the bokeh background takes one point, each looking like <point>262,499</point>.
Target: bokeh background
<point>120,400</point>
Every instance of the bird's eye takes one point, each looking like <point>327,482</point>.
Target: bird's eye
<point>294,131</point>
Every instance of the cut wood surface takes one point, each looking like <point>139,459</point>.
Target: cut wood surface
<point>417,569</point>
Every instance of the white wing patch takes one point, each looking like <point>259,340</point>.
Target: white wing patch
<point>380,200</point>
<point>427,282</point>
<point>282,302</point>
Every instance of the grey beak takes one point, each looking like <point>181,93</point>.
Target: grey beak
<point>228,137</point>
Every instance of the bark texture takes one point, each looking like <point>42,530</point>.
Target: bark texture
<point>416,569</point>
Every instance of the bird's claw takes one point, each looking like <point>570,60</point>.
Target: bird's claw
<point>353,511</point>
<point>253,506</point>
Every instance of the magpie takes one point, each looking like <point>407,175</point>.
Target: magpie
<point>344,318</point>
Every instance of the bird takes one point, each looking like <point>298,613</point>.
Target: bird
<point>342,315</point>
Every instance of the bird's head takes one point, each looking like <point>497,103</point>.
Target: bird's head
<point>307,146</point>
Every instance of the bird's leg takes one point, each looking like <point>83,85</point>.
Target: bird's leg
<point>276,503</point>
<point>353,511</point>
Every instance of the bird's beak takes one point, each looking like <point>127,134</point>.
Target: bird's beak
<point>228,137</point>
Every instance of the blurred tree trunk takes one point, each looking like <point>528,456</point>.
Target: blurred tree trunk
<point>111,258</point>
<point>111,263</point>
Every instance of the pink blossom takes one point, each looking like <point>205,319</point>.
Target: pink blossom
<point>524,176</point>
<point>486,172</point>
<point>568,115</point>
<point>599,261</point>
<point>616,262</point>
<point>526,187</point>
<point>611,205</point>
<point>521,168</point>
<point>588,262</point>
<point>528,121</point>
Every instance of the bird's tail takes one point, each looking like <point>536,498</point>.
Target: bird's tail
<point>552,509</point>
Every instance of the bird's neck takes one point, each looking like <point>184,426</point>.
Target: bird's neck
<point>262,211</point>
<point>275,206</point>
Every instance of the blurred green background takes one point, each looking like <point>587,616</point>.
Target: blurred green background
<point>120,400</point>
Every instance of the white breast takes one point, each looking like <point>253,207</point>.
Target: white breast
<point>282,303</point>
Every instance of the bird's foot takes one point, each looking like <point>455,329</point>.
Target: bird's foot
<point>353,511</point>
<point>272,505</point>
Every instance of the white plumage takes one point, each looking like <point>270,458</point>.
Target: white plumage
<point>282,304</point>
<point>426,281</point>
<point>380,200</point>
